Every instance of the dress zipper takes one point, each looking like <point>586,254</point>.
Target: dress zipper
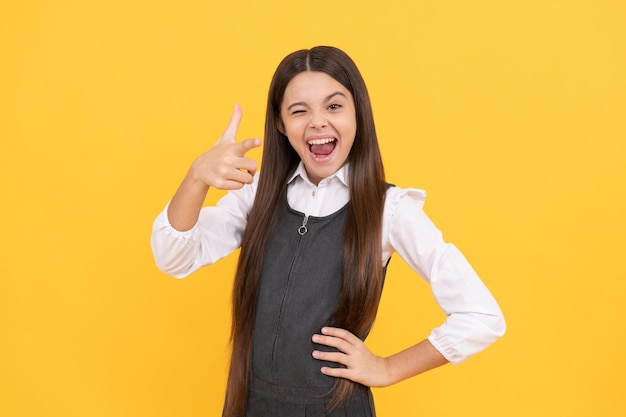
<point>302,229</point>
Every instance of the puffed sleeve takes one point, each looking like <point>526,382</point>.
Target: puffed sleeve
<point>217,233</point>
<point>474,319</point>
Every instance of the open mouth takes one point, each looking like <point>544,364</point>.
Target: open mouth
<point>323,147</point>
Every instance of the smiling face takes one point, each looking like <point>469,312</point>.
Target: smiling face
<point>318,117</point>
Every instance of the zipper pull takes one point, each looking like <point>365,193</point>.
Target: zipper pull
<point>302,229</point>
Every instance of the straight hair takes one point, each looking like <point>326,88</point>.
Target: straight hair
<point>362,260</point>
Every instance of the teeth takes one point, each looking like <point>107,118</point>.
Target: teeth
<point>320,141</point>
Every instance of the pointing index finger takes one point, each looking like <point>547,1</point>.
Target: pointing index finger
<point>233,124</point>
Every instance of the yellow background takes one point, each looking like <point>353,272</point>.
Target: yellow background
<point>510,114</point>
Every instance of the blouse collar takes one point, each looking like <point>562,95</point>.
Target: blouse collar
<point>341,174</point>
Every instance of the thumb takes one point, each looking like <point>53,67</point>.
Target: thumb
<point>245,145</point>
<point>230,133</point>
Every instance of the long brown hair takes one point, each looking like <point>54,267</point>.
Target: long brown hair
<point>362,263</point>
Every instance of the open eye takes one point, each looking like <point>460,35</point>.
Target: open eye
<point>334,106</point>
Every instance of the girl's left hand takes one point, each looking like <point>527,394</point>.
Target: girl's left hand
<point>361,365</point>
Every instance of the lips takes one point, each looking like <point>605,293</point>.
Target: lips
<point>322,147</point>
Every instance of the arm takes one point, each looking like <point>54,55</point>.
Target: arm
<point>186,236</point>
<point>474,319</point>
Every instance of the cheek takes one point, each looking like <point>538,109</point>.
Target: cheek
<point>295,133</point>
<point>291,128</point>
<point>297,145</point>
<point>348,126</point>
<point>349,131</point>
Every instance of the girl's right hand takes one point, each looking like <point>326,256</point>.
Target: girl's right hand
<point>225,165</point>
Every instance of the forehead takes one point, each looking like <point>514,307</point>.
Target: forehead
<point>313,86</point>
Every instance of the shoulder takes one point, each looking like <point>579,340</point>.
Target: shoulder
<point>397,196</point>
<point>403,218</point>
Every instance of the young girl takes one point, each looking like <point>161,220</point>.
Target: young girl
<point>316,228</point>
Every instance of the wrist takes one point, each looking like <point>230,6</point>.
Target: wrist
<point>195,183</point>
<point>387,373</point>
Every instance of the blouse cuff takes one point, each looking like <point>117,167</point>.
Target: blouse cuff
<point>162,222</point>
<point>445,346</point>
<point>456,344</point>
<point>174,250</point>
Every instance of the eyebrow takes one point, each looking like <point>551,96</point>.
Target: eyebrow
<point>328,98</point>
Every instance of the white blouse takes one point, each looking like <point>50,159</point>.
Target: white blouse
<point>474,319</point>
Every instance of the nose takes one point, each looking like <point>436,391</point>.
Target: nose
<point>318,120</point>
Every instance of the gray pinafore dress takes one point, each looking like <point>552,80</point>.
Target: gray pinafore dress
<point>299,288</point>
